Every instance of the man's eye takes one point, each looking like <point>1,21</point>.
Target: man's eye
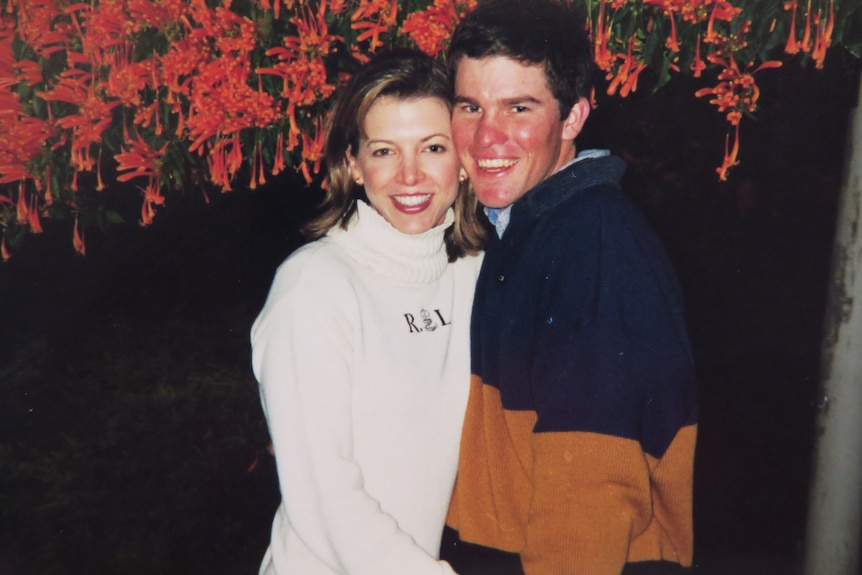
<point>470,108</point>
<point>519,109</point>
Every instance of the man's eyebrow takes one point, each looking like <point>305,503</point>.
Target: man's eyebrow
<point>464,100</point>
<point>511,101</point>
<point>525,99</point>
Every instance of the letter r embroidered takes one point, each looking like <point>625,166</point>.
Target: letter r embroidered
<point>412,326</point>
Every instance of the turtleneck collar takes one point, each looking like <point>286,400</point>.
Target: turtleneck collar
<point>375,244</point>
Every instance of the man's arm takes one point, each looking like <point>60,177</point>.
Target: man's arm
<point>613,383</point>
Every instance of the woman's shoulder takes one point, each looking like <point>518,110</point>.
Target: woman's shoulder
<point>469,265</point>
<point>319,265</point>
<point>313,282</point>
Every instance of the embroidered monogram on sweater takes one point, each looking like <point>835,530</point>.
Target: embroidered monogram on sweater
<point>427,321</point>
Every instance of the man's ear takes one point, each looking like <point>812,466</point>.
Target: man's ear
<point>574,122</point>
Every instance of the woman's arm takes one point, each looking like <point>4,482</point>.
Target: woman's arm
<point>302,354</point>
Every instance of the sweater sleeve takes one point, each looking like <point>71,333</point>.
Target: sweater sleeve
<point>613,385</point>
<point>302,348</point>
<point>591,494</point>
<point>591,484</point>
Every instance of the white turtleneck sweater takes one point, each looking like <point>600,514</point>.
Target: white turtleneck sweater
<point>363,356</point>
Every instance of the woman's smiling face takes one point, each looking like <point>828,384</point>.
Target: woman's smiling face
<point>407,162</point>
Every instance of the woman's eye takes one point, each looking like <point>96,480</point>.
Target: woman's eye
<point>437,148</point>
<point>381,152</point>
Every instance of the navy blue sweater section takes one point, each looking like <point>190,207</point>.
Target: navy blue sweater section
<point>578,315</point>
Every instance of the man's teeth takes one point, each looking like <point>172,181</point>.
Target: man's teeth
<point>412,200</point>
<point>496,164</point>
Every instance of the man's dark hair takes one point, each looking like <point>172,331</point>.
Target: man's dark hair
<point>545,32</point>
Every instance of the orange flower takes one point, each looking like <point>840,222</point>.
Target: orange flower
<point>152,197</point>
<point>626,78</point>
<point>806,36</point>
<point>257,172</point>
<point>725,11</point>
<point>49,196</point>
<point>141,159</point>
<point>313,37</point>
<point>78,240</point>
<point>94,115</point>
<point>430,28</point>
<point>22,136</point>
<point>278,163</point>
<point>721,10</point>
<point>29,71</point>
<point>602,55</point>
<point>38,26</point>
<point>161,14</point>
<point>792,46</point>
<point>736,93</point>
<point>730,155</point>
<point>223,163</point>
<point>375,17</point>
<point>21,141</point>
<point>128,79</point>
<point>33,216</point>
<point>672,43</point>
<point>304,79</point>
<point>22,209</point>
<point>698,66</point>
<point>824,36</point>
<point>312,151</point>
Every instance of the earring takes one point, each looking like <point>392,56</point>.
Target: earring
<point>462,177</point>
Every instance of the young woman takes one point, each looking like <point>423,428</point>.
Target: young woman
<point>362,348</point>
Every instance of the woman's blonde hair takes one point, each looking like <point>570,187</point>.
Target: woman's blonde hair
<point>405,75</point>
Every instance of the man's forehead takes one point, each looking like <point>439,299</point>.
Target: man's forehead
<point>496,59</point>
<point>518,76</point>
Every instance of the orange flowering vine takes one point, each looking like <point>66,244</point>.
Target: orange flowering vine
<point>140,160</point>
<point>431,28</point>
<point>216,93</point>
<point>373,19</point>
<point>823,23</point>
<point>735,94</point>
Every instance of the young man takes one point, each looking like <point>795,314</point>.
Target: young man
<point>578,444</point>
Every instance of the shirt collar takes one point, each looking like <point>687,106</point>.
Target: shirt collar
<point>499,217</point>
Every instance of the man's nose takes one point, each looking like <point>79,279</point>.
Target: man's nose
<point>488,131</point>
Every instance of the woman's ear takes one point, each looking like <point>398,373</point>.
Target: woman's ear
<point>355,172</point>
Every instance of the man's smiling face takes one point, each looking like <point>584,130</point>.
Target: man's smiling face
<point>507,127</point>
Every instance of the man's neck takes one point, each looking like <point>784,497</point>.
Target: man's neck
<point>499,217</point>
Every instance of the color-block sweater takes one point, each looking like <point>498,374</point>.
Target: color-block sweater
<point>578,445</point>
<point>362,354</point>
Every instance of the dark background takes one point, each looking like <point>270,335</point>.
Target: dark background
<point>131,437</point>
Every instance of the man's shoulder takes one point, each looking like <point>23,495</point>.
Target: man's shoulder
<point>600,205</point>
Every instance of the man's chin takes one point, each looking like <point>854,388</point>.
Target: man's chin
<point>494,199</point>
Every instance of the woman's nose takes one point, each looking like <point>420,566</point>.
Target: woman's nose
<point>410,170</point>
